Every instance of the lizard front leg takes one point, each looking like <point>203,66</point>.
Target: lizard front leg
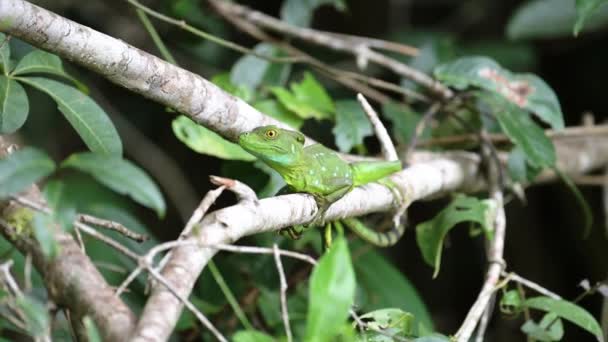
<point>325,201</point>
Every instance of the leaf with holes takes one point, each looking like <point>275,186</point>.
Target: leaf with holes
<point>568,311</point>
<point>14,105</point>
<point>526,91</point>
<point>205,141</point>
<point>430,234</point>
<point>23,168</point>
<point>88,119</point>
<point>121,176</point>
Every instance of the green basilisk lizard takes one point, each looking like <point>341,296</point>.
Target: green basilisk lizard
<point>319,171</point>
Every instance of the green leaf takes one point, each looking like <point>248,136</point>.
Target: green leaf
<point>299,12</point>
<point>36,315</point>
<point>352,125</point>
<point>433,338</point>
<point>584,9</point>
<point>223,81</point>
<point>549,329</point>
<point>519,169</point>
<point>249,70</point>
<point>331,293</point>
<point>88,119</point>
<point>91,329</point>
<point>39,61</point>
<point>14,105</point>
<point>526,91</point>
<point>277,111</point>
<point>308,99</point>
<point>205,141</point>
<point>404,121</point>
<point>23,168</point>
<point>393,321</point>
<point>386,286</point>
<point>552,19</point>
<point>5,53</point>
<point>251,336</point>
<point>121,176</point>
<point>568,311</point>
<point>42,225</point>
<point>430,234</point>
<point>520,128</point>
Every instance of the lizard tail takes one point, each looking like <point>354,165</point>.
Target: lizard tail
<point>365,172</point>
<point>380,239</point>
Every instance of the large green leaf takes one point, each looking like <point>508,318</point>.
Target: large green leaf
<point>520,128</point>
<point>331,293</point>
<point>14,105</point>
<point>5,54</point>
<point>42,225</point>
<point>519,168</point>
<point>251,336</point>
<point>299,12</point>
<point>584,9</point>
<point>205,141</point>
<point>276,110</point>
<point>308,99</point>
<point>223,81</point>
<point>553,19</point>
<point>568,311</point>
<point>39,61</point>
<point>23,168</point>
<point>386,286</point>
<point>121,176</point>
<point>527,91</point>
<point>404,121</point>
<point>352,125</point>
<point>36,315</point>
<point>430,234</point>
<point>249,70</point>
<point>549,329</point>
<point>88,119</point>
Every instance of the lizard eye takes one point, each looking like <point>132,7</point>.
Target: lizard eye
<point>272,133</point>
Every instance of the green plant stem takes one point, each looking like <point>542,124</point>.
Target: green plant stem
<point>205,35</point>
<point>234,304</point>
<point>160,45</point>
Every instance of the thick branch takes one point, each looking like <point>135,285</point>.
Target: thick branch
<point>437,175</point>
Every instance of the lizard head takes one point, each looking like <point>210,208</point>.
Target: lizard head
<point>273,145</point>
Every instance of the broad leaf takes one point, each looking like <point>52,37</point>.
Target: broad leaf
<point>430,234</point>
<point>299,12</point>
<point>251,336</point>
<point>14,105</point>
<point>23,168</point>
<point>88,119</point>
<point>36,315</point>
<point>121,176</point>
<point>584,9</point>
<point>404,121</point>
<point>42,225</point>
<point>331,293</point>
<point>526,91</point>
<point>553,19</point>
<point>519,169</point>
<point>433,338</point>
<point>223,81</point>
<point>205,141</point>
<point>352,125</point>
<point>277,111</point>
<point>391,320</point>
<point>520,128</point>
<point>249,70</point>
<point>64,199</point>
<point>39,61</point>
<point>568,311</point>
<point>308,99</point>
<point>549,329</point>
<point>5,54</point>
<point>93,334</point>
<point>386,286</point>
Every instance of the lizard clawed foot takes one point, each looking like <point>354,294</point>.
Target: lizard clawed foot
<point>293,232</point>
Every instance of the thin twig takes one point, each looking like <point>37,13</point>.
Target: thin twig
<point>112,225</point>
<point>283,281</point>
<point>388,148</point>
<point>530,284</point>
